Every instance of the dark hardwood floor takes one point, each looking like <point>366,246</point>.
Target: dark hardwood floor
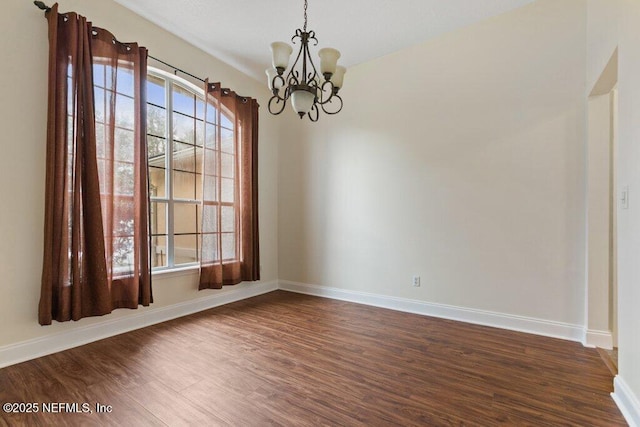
<point>296,360</point>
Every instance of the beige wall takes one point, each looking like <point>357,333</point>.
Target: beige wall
<point>23,77</point>
<point>461,160</point>
<point>611,24</point>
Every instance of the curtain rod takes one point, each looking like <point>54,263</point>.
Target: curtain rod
<point>46,8</point>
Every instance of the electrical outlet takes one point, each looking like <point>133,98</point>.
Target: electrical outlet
<point>416,281</point>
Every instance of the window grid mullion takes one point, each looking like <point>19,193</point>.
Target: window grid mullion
<point>169,175</point>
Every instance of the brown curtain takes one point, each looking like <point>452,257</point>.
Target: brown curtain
<point>229,250</point>
<point>96,237</point>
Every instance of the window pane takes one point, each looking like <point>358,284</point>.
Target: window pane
<point>159,251</point>
<point>187,180</point>
<point>155,90</point>
<point>210,162</point>
<point>183,101</point>
<point>185,157</point>
<point>123,145</point>
<point>122,254</point>
<point>100,140</point>
<point>157,181</point>
<point>156,121</point>
<point>156,148</point>
<point>212,114</point>
<point>228,219</point>
<point>199,133</point>
<point>200,108</point>
<point>125,80</point>
<point>185,220</point>
<point>211,136</point>
<point>184,185</point>
<point>98,75</point>
<point>210,218</point>
<point>210,188</point>
<point>226,141</point>
<point>228,246</point>
<point>158,218</point>
<point>227,190</point>
<point>226,122</point>
<point>186,249</point>
<point>124,208</point>
<point>210,247</point>
<point>123,178</point>
<point>228,165</point>
<point>105,184</point>
<point>184,128</point>
<point>124,111</point>
<point>98,95</point>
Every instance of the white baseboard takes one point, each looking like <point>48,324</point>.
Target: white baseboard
<point>594,338</point>
<point>627,402</point>
<point>481,317</point>
<point>31,349</point>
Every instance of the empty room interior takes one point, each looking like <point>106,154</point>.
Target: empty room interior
<point>320,212</point>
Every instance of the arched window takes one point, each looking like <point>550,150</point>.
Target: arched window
<point>176,126</point>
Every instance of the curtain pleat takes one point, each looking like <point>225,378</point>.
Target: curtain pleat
<point>96,234</point>
<point>225,260</point>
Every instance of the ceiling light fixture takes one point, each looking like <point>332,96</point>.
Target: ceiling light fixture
<point>304,86</point>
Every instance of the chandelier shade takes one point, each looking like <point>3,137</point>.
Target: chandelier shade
<point>302,101</point>
<point>309,90</point>
<point>338,77</point>
<point>328,60</point>
<point>280,52</point>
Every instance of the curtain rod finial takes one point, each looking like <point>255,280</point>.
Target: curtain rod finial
<point>42,6</point>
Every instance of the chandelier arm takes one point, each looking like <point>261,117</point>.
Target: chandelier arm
<point>293,72</point>
<point>314,107</point>
<point>293,78</point>
<point>278,101</point>
<point>312,36</point>
<point>310,76</point>
<point>332,93</point>
<point>305,54</point>
<point>335,96</point>
<point>276,91</point>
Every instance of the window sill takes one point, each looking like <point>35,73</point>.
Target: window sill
<point>175,272</point>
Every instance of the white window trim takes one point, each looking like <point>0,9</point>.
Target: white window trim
<point>169,199</point>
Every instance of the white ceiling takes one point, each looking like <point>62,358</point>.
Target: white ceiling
<point>239,31</point>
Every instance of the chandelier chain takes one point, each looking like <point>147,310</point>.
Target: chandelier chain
<point>305,16</point>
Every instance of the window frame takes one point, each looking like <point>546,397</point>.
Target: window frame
<point>169,198</point>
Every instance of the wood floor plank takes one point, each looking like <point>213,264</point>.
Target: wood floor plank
<point>290,359</point>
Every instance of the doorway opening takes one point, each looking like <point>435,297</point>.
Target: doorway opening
<point>603,196</point>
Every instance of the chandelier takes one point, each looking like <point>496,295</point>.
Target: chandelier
<point>308,90</point>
